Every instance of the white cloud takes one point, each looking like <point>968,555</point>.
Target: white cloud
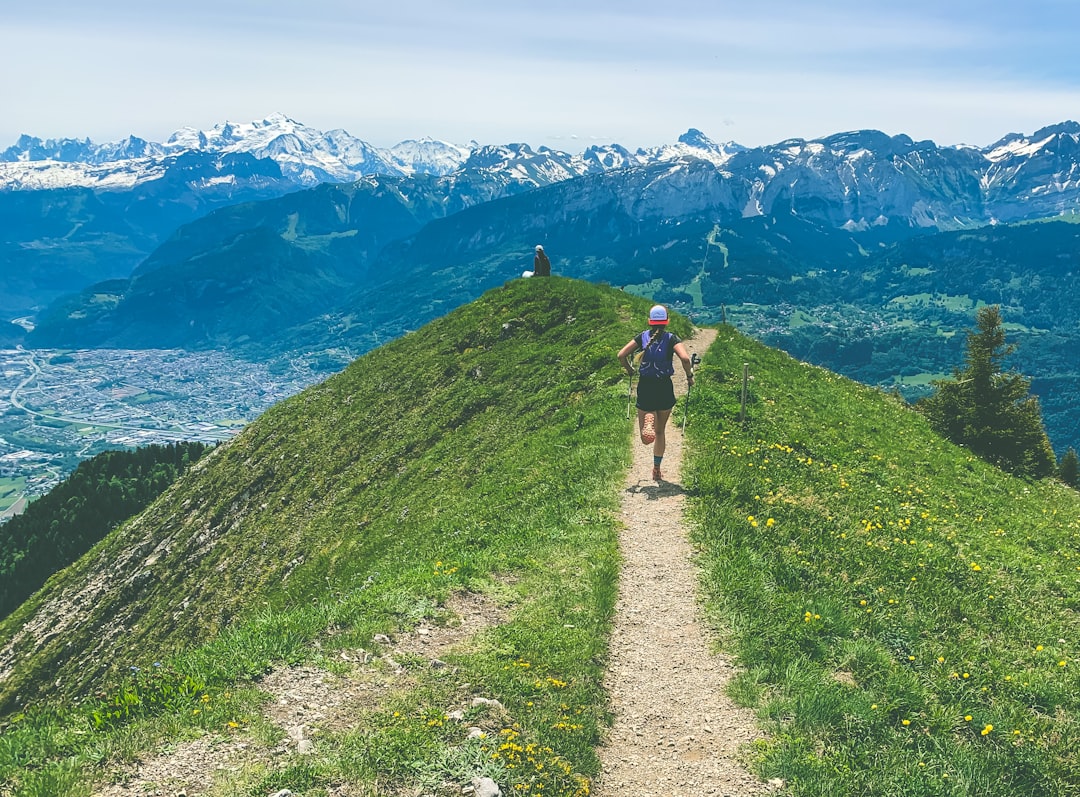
<point>634,71</point>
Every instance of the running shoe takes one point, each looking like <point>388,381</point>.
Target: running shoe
<point>648,429</point>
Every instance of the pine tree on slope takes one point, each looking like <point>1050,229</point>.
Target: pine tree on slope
<point>989,409</point>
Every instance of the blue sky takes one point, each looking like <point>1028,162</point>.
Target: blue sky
<point>555,73</point>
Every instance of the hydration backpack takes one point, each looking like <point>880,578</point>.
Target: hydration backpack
<point>656,354</point>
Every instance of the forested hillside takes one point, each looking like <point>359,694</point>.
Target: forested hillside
<point>62,525</point>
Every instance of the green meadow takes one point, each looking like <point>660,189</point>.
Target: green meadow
<point>903,615</point>
<point>10,490</point>
<point>906,614</point>
<point>955,304</point>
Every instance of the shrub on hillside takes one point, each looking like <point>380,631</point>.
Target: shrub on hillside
<point>1069,468</point>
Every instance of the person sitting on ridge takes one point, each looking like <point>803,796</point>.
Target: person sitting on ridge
<point>656,392</point>
<point>541,264</point>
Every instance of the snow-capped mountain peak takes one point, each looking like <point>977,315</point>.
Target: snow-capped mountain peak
<point>1019,145</point>
<point>228,135</point>
<point>693,144</point>
<point>429,156</point>
<point>696,139</point>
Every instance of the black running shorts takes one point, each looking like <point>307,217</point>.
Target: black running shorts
<point>655,393</point>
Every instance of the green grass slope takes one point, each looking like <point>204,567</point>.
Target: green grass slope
<point>906,616</point>
<point>906,613</point>
<point>482,454</point>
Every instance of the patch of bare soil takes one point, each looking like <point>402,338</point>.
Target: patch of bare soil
<point>675,731</point>
<point>305,702</point>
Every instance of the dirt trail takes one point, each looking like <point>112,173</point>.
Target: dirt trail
<point>675,731</point>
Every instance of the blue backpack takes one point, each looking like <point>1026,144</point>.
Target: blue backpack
<point>656,353</point>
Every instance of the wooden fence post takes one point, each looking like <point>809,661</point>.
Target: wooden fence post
<point>745,380</point>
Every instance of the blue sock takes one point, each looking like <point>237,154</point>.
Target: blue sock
<point>656,461</point>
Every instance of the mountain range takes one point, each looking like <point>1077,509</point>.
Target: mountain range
<point>304,154</point>
<point>1014,178</point>
<point>81,212</point>
<point>860,251</point>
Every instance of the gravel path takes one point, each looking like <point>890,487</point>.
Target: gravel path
<point>675,731</point>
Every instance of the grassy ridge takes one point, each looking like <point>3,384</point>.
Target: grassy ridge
<point>483,453</point>
<point>906,613</point>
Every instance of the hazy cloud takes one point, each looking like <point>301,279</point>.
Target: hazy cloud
<point>639,73</point>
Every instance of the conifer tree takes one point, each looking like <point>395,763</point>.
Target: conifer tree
<point>1069,468</point>
<point>989,409</point>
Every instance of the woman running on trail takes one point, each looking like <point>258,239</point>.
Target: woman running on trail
<point>656,393</point>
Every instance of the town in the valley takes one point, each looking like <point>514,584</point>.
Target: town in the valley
<point>58,408</point>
